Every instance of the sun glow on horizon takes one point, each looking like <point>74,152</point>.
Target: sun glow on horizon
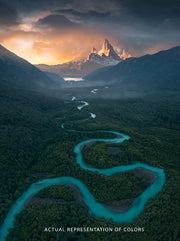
<point>39,46</point>
<point>24,50</point>
<point>59,49</point>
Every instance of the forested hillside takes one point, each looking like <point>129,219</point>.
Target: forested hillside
<point>33,147</point>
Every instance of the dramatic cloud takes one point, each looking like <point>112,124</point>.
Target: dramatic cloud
<point>8,16</point>
<point>152,11</point>
<point>55,31</point>
<point>31,6</point>
<point>90,14</point>
<point>57,22</point>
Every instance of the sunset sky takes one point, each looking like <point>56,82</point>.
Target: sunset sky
<point>57,31</point>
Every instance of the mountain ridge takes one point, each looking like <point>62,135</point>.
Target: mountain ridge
<point>95,60</point>
<point>149,72</point>
<point>106,56</point>
<point>19,73</point>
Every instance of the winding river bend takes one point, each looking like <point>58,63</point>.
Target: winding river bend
<point>94,207</point>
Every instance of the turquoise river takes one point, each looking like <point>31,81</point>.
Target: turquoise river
<point>95,208</point>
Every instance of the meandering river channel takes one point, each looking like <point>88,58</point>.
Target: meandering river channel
<point>95,208</point>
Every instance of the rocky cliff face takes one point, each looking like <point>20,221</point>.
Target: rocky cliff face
<point>124,55</point>
<point>96,59</point>
<point>108,51</point>
<point>94,51</point>
<point>156,72</point>
<point>107,55</point>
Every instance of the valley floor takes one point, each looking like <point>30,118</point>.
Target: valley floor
<point>33,146</point>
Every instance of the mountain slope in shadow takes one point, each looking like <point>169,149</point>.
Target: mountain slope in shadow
<point>16,72</point>
<point>160,71</point>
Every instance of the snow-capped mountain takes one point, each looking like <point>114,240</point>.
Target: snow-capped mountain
<point>123,54</point>
<point>96,59</point>
<point>107,55</point>
<point>160,71</point>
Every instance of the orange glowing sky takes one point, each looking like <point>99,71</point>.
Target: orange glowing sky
<point>51,47</point>
<point>41,44</point>
<point>58,31</point>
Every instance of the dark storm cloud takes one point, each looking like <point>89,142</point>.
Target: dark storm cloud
<point>90,14</point>
<point>8,16</point>
<point>172,23</point>
<point>146,11</point>
<point>151,10</point>
<point>142,15</point>
<point>28,6</point>
<point>117,11</point>
<point>137,25</point>
<point>57,22</point>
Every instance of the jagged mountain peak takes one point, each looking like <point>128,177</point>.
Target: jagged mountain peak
<point>106,47</point>
<point>95,60</point>
<point>159,71</point>
<point>106,56</point>
<point>94,50</point>
<point>108,51</point>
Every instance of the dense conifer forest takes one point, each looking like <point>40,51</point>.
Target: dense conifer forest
<point>34,146</point>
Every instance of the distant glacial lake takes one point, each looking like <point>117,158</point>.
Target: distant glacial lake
<point>72,78</point>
